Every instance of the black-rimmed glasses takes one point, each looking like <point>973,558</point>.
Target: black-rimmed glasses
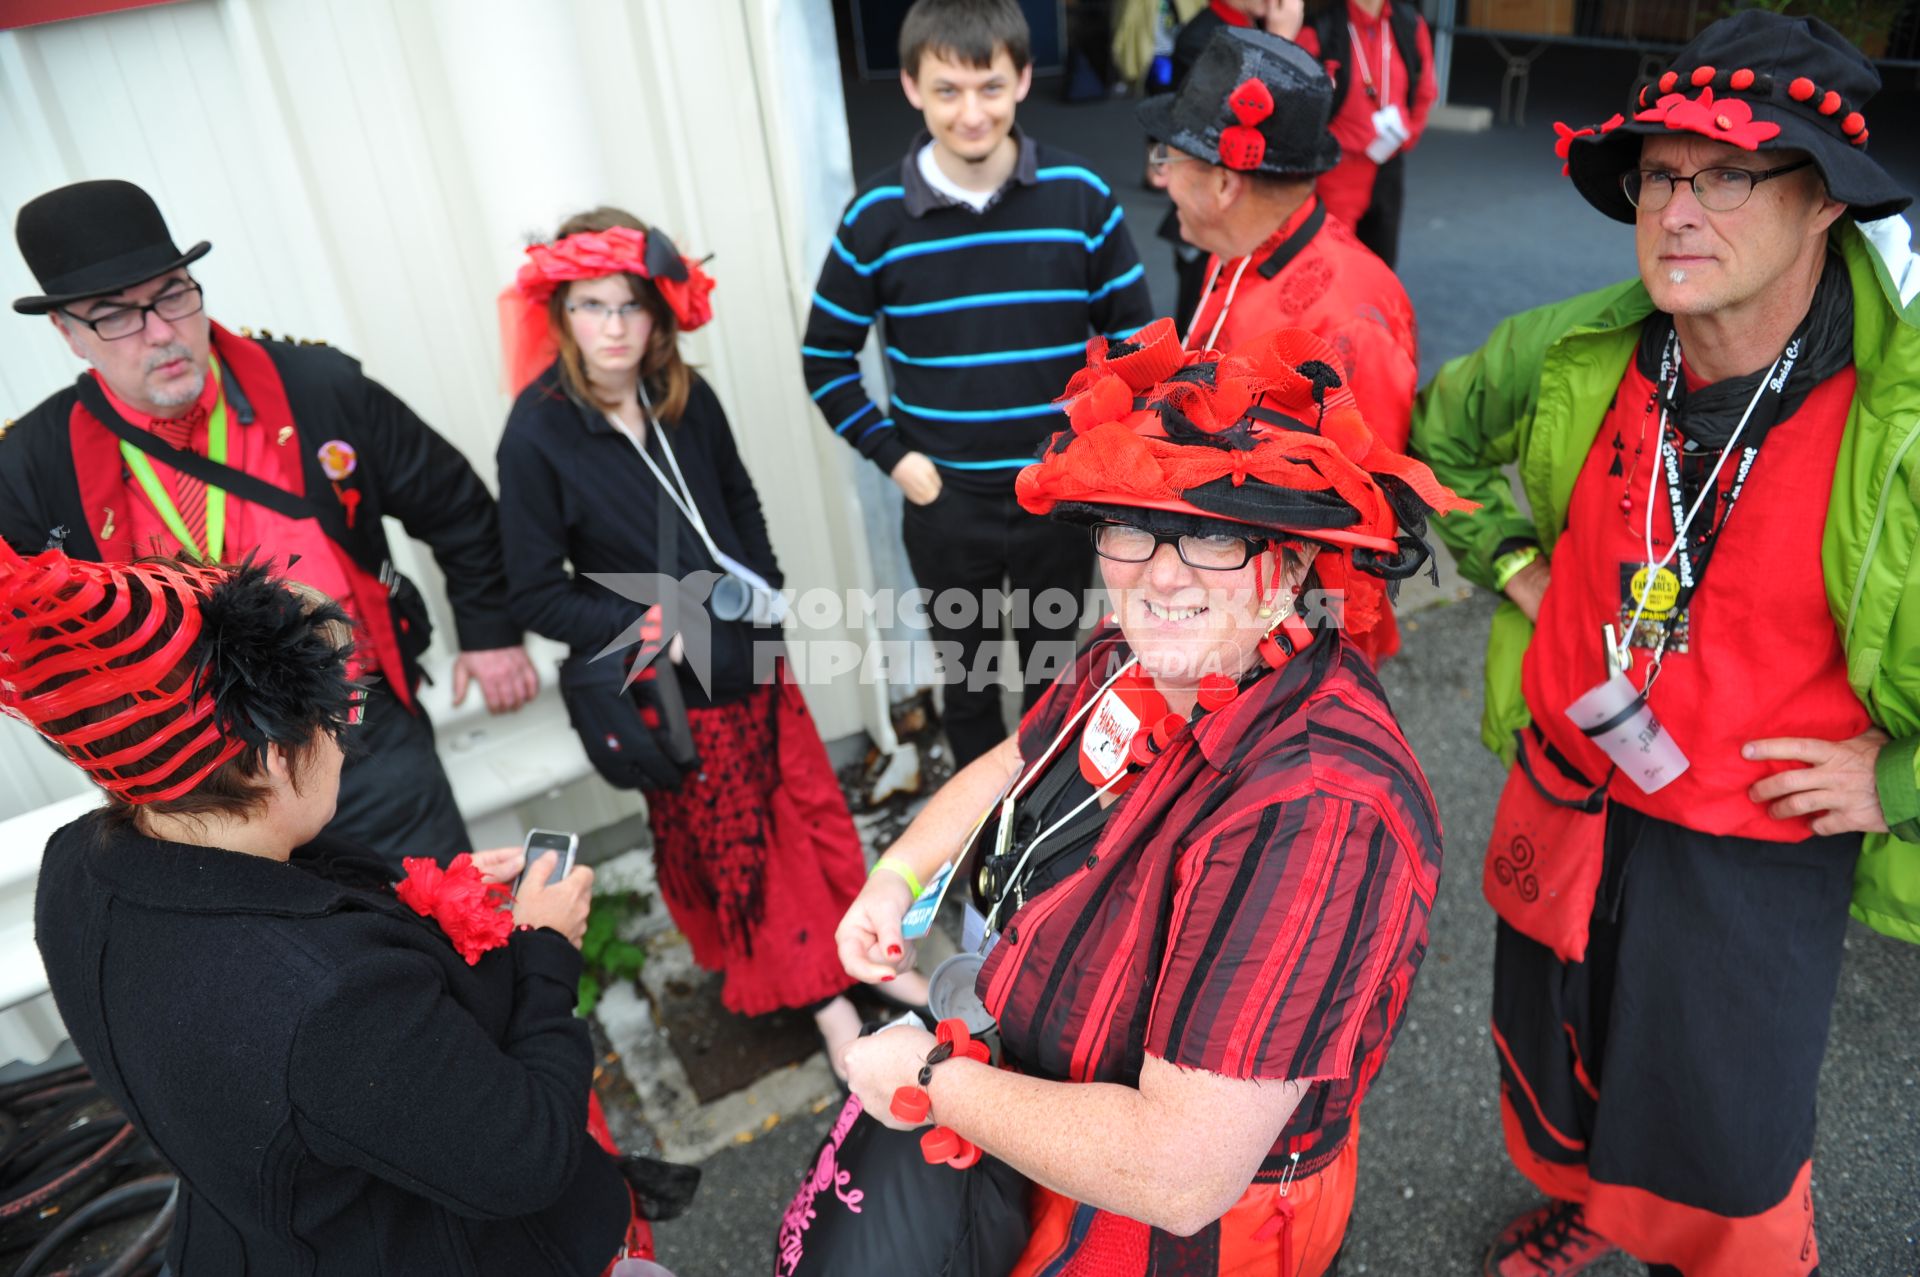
<point>1124,543</point>
<point>126,320</point>
<point>1719,190</point>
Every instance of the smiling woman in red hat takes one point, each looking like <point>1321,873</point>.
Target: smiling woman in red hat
<point>1208,888</point>
<point>349,1077</point>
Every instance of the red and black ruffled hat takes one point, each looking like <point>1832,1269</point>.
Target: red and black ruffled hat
<point>1265,438</point>
<point>152,675</point>
<point>1762,82</point>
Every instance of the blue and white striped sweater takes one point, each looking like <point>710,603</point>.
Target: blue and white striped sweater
<point>985,314</point>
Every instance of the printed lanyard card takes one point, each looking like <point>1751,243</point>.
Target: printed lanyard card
<point>919,919</point>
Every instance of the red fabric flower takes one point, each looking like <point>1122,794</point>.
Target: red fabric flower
<point>1563,141</point>
<point>1728,120</point>
<point>472,911</point>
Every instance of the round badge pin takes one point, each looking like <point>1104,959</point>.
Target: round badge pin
<point>338,459</point>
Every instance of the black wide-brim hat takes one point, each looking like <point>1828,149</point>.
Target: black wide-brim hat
<point>1761,82</point>
<point>1289,118</point>
<point>94,238</point>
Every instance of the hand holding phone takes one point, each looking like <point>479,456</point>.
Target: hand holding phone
<point>552,891</point>
<point>541,841</point>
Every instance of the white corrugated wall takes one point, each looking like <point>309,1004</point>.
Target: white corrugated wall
<point>368,170</point>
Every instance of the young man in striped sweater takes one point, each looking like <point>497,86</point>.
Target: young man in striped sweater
<point>988,259</point>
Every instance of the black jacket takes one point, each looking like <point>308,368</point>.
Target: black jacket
<point>404,469</point>
<point>574,494</point>
<point>340,1092</point>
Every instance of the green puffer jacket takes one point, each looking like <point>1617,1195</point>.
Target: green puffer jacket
<point>1534,396</point>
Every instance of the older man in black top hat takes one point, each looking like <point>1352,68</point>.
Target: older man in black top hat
<point>1705,672</point>
<point>1241,144</point>
<point>186,437</point>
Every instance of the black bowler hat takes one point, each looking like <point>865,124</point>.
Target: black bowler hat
<point>1761,82</point>
<point>1254,103</point>
<point>93,238</point>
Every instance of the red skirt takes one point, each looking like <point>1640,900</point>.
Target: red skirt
<point>756,854</point>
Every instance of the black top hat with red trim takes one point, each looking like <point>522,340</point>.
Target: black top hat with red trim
<point>1758,81</point>
<point>1254,103</point>
<point>94,238</point>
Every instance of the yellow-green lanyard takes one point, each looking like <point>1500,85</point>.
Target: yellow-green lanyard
<point>216,497</point>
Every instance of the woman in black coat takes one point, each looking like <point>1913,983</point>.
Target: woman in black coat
<point>340,1088</point>
<point>617,458</point>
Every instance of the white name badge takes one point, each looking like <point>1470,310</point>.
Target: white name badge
<point>1390,133</point>
<point>1107,737</point>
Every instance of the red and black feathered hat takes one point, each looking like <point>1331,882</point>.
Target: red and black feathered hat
<point>152,675</point>
<point>1266,438</point>
<point>1761,82</point>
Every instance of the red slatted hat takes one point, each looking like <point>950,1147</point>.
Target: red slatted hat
<point>152,675</point>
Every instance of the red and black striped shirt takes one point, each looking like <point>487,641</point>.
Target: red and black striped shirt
<point>1256,905</point>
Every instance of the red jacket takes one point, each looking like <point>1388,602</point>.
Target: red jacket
<point>1312,273</point>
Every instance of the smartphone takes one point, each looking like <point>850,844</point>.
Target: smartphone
<point>542,841</point>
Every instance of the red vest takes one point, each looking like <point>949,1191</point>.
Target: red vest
<point>1763,654</point>
<point>125,525</point>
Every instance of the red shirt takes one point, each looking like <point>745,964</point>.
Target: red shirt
<point>1763,656</point>
<point>1348,187</point>
<point>1255,905</point>
<point>267,448</point>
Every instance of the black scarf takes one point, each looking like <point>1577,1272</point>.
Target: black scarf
<point>1706,417</point>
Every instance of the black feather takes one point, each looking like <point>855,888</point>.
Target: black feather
<point>266,659</point>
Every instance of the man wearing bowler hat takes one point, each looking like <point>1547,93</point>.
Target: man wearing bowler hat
<point>186,437</point>
<point>1240,145</point>
<point>1706,673</point>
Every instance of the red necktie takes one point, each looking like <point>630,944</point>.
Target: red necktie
<point>189,493</point>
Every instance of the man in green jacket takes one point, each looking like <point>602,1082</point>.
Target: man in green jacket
<point>1721,475</point>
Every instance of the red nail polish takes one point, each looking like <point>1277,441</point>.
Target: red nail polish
<point>885,978</point>
<point>893,951</point>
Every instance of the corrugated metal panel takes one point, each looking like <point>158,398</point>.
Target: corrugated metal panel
<point>369,170</point>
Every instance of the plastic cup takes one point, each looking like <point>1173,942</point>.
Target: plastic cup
<point>1616,717</point>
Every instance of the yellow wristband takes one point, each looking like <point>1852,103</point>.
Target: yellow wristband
<point>906,874</point>
<point>1509,565</point>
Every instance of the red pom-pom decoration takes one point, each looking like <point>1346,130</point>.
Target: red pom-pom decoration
<point>1801,89</point>
<point>1742,79</point>
<point>1830,103</point>
<point>1862,139</point>
<point>1252,102</point>
<point>468,908</point>
<point>1242,148</point>
<point>1854,123</point>
<point>1702,76</point>
<point>1668,80</point>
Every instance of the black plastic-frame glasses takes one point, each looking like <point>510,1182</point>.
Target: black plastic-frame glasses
<point>1187,546</point>
<point>125,319</point>
<point>1713,197</point>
